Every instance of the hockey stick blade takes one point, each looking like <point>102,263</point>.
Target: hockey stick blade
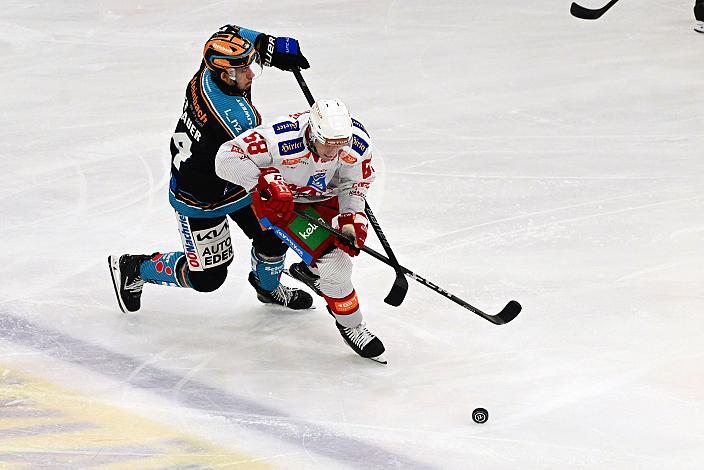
<point>583,13</point>
<point>509,312</point>
<point>398,290</point>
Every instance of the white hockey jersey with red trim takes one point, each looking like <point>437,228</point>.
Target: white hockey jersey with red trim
<point>283,145</point>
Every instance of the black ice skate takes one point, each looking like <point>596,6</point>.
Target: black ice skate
<point>126,280</point>
<point>295,299</point>
<point>300,272</point>
<point>699,27</point>
<point>363,342</point>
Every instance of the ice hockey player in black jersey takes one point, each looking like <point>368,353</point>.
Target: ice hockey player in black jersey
<point>699,16</point>
<point>218,107</point>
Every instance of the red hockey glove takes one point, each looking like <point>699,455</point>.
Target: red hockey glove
<point>272,198</point>
<point>354,227</point>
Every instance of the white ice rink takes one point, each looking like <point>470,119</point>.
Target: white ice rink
<point>522,153</point>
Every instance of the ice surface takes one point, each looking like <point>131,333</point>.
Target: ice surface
<point>522,153</point>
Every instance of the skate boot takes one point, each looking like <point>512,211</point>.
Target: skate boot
<point>362,341</point>
<point>296,299</point>
<point>126,280</point>
<point>300,272</point>
<point>699,27</point>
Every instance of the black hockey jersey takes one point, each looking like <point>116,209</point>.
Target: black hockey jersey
<point>213,113</point>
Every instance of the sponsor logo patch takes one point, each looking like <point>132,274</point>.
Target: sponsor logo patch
<point>359,126</point>
<point>291,161</point>
<point>230,116</point>
<point>214,245</point>
<point>346,306</point>
<point>188,244</point>
<point>347,158</point>
<point>286,126</point>
<point>358,144</point>
<point>304,255</point>
<point>289,147</point>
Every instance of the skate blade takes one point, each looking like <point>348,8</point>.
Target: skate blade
<point>380,359</point>
<point>276,306</point>
<point>113,265</point>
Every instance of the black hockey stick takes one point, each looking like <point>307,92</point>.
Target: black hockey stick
<point>509,312</point>
<point>579,11</point>
<point>400,288</point>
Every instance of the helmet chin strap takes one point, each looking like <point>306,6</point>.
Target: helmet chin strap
<point>310,143</point>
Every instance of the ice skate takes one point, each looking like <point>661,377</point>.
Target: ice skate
<point>699,27</point>
<point>363,342</point>
<point>300,272</point>
<point>126,280</point>
<point>296,299</point>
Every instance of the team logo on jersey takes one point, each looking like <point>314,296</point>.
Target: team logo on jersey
<point>288,147</point>
<point>359,144</point>
<point>286,126</point>
<point>317,181</point>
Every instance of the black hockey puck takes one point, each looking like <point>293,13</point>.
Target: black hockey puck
<point>480,415</point>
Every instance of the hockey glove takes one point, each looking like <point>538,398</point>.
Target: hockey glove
<point>272,198</point>
<point>354,227</point>
<point>282,52</point>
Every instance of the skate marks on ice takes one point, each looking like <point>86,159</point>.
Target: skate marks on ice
<point>592,208</point>
<point>312,438</point>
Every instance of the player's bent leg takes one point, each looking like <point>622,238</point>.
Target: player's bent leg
<point>268,254</point>
<point>172,269</point>
<point>307,275</point>
<point>207,252</point>
<point>208,280</point>
<point>265,277</point>
<point>201,266</point>
<point>168,269</point>
<point>335,270</point>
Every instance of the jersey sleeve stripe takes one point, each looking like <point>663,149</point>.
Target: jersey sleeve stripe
<point>206,87</point>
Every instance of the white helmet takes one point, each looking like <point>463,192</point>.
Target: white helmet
<point>330,122</point>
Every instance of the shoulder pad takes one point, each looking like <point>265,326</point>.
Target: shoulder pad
<point>359,145</point>
<point>286,126</point>
<point>359,126</point>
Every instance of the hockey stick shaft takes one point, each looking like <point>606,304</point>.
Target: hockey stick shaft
<point>509,312</point>
<point>400,288</point>
<point>587,13</point>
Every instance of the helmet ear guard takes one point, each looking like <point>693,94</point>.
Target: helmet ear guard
<point>330,122</point>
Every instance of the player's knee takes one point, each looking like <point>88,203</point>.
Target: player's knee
<point>268,244</point>
<point>335,269</point>
<point>208,280</point>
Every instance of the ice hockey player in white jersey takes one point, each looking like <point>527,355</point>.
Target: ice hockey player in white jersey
<point>320,162</point>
